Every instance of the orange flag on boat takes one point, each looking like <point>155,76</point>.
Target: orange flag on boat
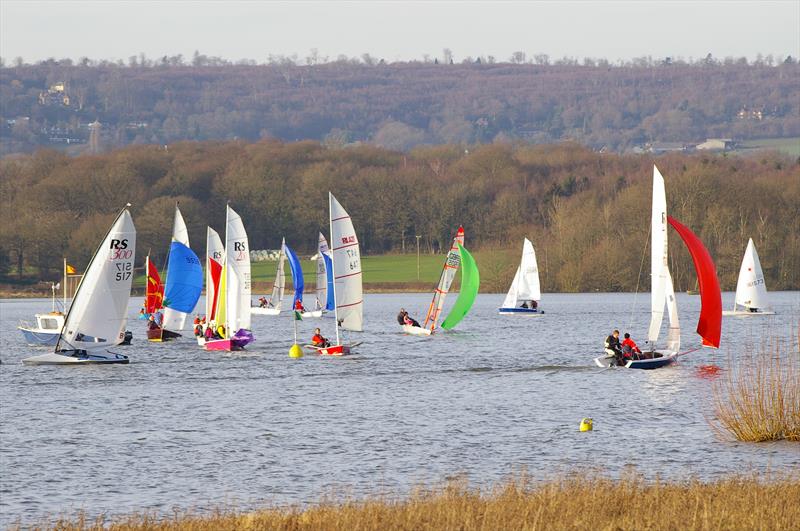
<point>70,270</point>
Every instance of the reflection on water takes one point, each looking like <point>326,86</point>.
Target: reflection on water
<point>180,427</point>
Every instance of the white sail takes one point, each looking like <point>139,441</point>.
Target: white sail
<point>658,256</point>
<point>451,264</point>
<point>173,319</point>
<point>525,286</point>
<point>96,319</point>
<point>751,290</point>
<point>674,331</point>
<point>214,251</point>
<point>237,269</point>
<point>347,287</point>
<point>322,273</point>
<point>279,286</point>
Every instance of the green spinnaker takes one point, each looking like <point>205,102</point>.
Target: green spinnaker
<point>470,282</point>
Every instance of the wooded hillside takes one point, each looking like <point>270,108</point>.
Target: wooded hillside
<point>587,213</point>
<point>399,105</point>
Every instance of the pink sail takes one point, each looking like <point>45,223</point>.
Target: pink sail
<point>710,324</point>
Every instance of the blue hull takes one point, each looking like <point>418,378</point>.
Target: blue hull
<point>519,310</point>
<point>655,363</point>
<point>39,338</point>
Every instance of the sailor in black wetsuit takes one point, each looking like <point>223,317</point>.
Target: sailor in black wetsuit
<point>613,348</point>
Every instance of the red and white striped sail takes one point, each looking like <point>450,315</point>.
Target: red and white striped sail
<point>451,264</point>
<point>347,286</point>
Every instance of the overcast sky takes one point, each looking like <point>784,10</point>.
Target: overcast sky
<point>393,31</point>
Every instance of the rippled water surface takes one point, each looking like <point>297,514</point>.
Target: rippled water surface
<point>180,427</point>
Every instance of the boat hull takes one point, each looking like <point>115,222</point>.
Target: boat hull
<point>745,312</point>
<point>55,358</point>
<point>264,311</point>
<point>334,350</point>
<point>416,330</point>
<point>663,358</point>
<point>156,334</point>
<point>35,336</point>
<point>530,312</point>
<point>315,313</point>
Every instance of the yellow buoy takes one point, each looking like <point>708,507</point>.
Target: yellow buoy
<point>296,351</point>
<point>586,424</point>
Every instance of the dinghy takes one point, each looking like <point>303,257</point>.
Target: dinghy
<point>524,294</point>
<point>273,306</point>
<point>347,282</point>
<point>452,262</point>
<point>96,319</point>
<point>751,290</point>
<point>214,256</point>
<point>183,285</point>
<point>48,325</point>
<point>662,291</point>
<point>470,282</point>
<point>233,297</point>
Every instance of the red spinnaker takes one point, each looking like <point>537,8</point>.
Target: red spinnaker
<point>710,324</point>
<point>216,274</point>
<point>154,292</point>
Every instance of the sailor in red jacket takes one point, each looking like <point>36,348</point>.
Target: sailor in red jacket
<point>298,306</point>
<point>629,347</point>
<point>318,340</point>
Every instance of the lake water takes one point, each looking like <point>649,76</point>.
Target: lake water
<point>180,427</point>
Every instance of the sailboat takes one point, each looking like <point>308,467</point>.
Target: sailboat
<point>273,306</point>
<point>183,285</point>
<point>48,325</point>
<point>662,291</point>
<point>325,301</point>
<point>751,290</point>
<point>452,262</point>
<point>233,295</point>
<point>524,294</point>
<point>96,319</point>
<point>347,281</point>
<point>215,252</point>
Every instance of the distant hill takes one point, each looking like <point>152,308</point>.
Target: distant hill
<point>397,105</point>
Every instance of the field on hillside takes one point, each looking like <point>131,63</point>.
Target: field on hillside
<point>790,146</point>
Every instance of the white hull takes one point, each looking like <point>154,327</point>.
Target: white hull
<point>515,311</point>
<point>53,358</point>
<point>264,311</point>
<point>746,312</point>
<point>315,313</point>
<point>416,330</point>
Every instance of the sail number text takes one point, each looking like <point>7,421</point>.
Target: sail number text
<point>124,271</point>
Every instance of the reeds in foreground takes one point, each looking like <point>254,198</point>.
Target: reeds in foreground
<point>739,502</point>
<point>759,399</point>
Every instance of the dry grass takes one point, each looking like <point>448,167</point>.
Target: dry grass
<point>575,503</point>
<point>759,399</point>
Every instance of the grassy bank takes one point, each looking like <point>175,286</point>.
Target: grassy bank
<point>382,273</point>
<point>737,502</point>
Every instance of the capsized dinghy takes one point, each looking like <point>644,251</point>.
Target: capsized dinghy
<point>751,290</point>
<point>96,319</point>
<point>662,290</point>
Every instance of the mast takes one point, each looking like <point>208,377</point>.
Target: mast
<point>65,284</point>
<point>333,267</point>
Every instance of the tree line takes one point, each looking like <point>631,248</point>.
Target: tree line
<point>399,105</point>
<point>587,213</point>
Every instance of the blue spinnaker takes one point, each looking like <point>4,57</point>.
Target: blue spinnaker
<point>184,279</point>
<point>297,275</point>
<point>330,304</point>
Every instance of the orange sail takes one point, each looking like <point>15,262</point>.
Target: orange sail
<point>216,272</point>
<point>710,324</point>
